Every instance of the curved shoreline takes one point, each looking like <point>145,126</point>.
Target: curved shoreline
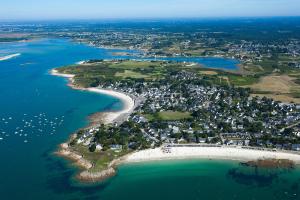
<point>176,153</point>
<point>128,104</point>
<point>79,161</point>
<point>206,152</point>
<point>64,149</point>
<point>106,117</point>
<point>159,154</point>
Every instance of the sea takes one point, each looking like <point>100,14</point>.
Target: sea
<point>39,111</point>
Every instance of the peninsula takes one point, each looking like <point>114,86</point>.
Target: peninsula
<point>175,110</point>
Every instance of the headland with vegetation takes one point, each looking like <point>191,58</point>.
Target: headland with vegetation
<point>179,104</point>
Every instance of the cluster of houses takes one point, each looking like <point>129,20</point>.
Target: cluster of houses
<point>218,115</point>
<point>179,44</point>
<point>164,42</point>
<point>249,51</point>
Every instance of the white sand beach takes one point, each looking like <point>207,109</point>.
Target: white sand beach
<point>108,117</point>
<point>80,62</point>
<point>174,153</point>
<point>54,72</point>
<point>128,104</point>
<point>9,56</point>
<point>218,153</point>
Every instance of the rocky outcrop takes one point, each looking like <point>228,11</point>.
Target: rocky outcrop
<point>66,152</point>
<point>87,176</point>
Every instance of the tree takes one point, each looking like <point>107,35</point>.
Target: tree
<point>92,148</point>
<point>73,142</point>
<point>288,131</point>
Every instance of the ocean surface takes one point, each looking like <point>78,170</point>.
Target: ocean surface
<point>39,111</point>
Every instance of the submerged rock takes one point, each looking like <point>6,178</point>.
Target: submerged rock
<point>271,163</point>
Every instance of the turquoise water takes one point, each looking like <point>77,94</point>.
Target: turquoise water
<point>201,179</point>
<point>27,90</point>
<point>47,111</point>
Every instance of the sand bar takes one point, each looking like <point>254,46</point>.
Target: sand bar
<point>9,56</point>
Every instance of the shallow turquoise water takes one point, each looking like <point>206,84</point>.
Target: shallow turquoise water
<point>201,179</point>
<point>28,169</point>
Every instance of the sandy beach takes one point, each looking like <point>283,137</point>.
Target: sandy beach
<point>107,117</point>
<point>54,72</point>
<point>9,56</point>
<point>218,153</point>
<point>224,152</point>
<point>128,104</point>
<point>162,153</point>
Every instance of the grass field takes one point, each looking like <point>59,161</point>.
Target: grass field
<point>131,65</point>
<point>208,72</point>
<point>96,71</point>
<point>168,116</point>
<point>286,98</point>
<point>279,87</point>
<point>100,159</point>
<point>173,115</point>
<point>283,86</point>
<point>239,80</point>
<point>131,74</point>
<point>275,84</point>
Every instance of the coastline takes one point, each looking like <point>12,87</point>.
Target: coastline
<point>175,153</point>
<point>112,117</point>
<point>157,154</point>
<point>105,117</point>
<point>96,119</point>
<point>206,152</point>
<point>84,165</point>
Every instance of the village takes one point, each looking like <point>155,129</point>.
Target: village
<point>156,43</point>
<point>254,50</point>
<point>184,109</point>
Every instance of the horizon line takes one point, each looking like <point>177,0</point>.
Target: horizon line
<point>146,18</point>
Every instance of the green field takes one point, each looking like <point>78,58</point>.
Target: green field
<point>131,74</point>
<point>94,72</point>
<point>239,80</point>
<point>172,115</point>
<point>132,65</point>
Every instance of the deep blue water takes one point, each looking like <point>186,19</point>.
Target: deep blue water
<point>26,91</point>
<point>39,111</point>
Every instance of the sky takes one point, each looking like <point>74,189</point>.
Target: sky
<point>124,9</point>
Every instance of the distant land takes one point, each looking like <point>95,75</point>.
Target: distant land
<point>145,96</point>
